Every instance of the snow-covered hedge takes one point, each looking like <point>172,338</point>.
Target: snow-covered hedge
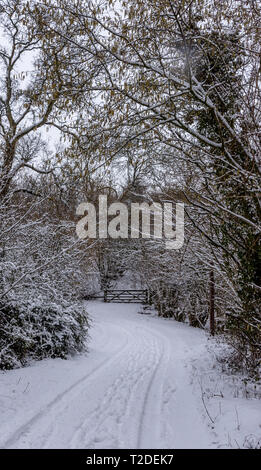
<point>36,331</point>
<point>42,275</point>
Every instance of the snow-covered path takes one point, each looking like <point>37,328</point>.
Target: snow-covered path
<point>132,390</point>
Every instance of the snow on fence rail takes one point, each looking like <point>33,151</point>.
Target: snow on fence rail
<point>126,295</point>
<point>123,296</point>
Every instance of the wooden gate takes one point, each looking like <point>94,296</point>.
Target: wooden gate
<point>126,296</point>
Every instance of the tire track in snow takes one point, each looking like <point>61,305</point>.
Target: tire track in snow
<point>128,414</point>
<point>111,415</point>
<point>26,427</point>
<point>127,425</point>
<point>151,419</point>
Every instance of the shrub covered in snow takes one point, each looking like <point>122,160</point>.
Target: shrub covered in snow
<point>42,274</point>
<point>37,330</point>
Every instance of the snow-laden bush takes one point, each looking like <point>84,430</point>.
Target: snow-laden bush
<point>42,275</point>
<point>36,331</point>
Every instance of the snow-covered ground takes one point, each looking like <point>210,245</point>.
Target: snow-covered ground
<point>146,382</point>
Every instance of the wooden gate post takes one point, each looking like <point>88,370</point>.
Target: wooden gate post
<point>212,302</point>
